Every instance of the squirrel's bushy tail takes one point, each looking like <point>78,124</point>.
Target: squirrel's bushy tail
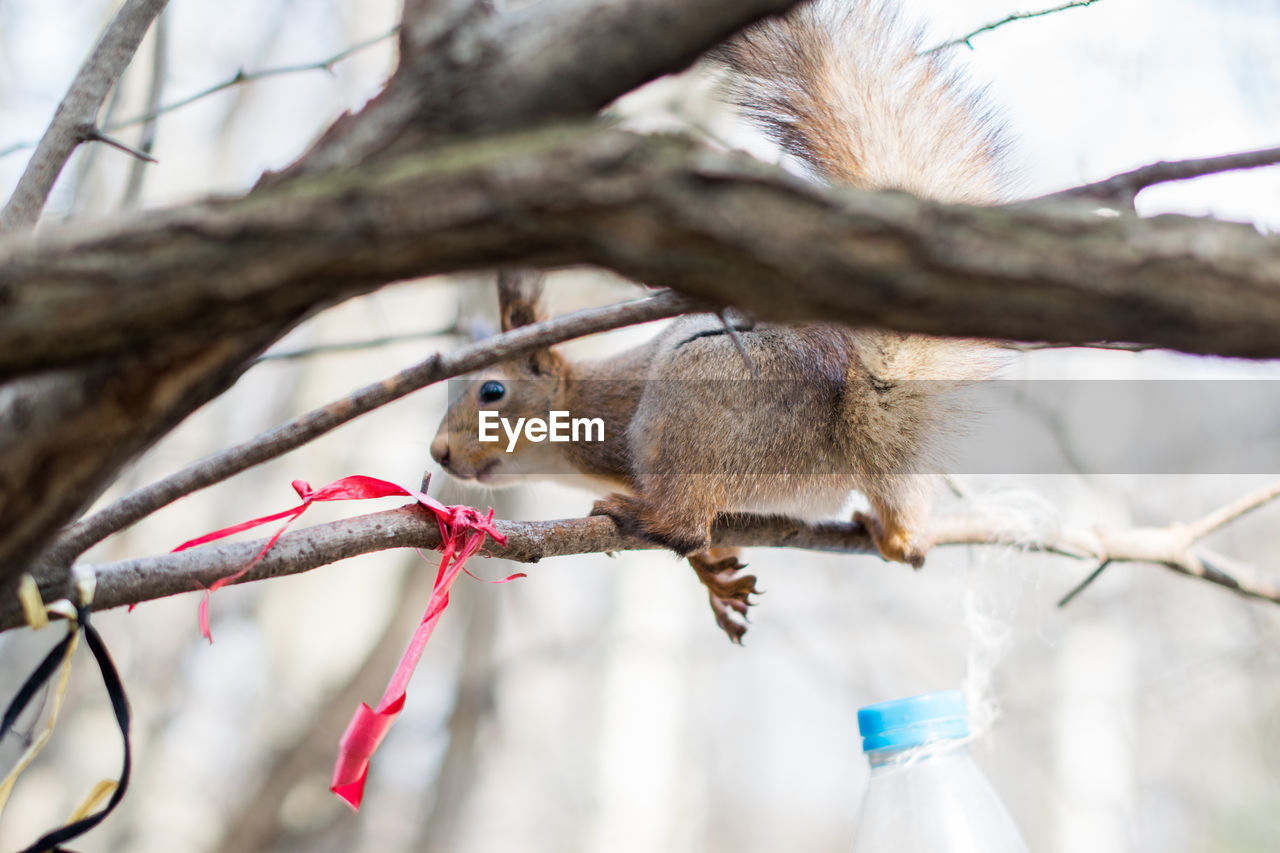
<point>841,85</point>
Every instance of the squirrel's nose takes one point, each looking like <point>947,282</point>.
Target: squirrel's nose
<point>440,451</point>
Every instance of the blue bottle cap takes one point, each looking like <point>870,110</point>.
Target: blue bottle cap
<point>904,723</point>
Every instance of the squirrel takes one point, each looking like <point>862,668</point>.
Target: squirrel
<point>691,429</point>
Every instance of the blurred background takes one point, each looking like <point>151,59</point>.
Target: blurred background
<point>594,706</point>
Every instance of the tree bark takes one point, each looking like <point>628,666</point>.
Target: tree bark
<point>662,210</point>
<point>1175,547</point>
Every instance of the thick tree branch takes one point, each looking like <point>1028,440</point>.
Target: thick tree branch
<point>63,437</point>
<point>1174,547</point>
<point>466,70</point>
<point>658,209</point>
<point>75,119</point>
<point>570,58</point>
<point>280,440</point>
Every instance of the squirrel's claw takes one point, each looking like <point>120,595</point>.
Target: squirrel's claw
<point>728,592</point>
<point>732,628</point>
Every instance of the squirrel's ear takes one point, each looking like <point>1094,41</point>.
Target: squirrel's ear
<point>519,301</point>
<point>544,363</point>
<point>519,292</point>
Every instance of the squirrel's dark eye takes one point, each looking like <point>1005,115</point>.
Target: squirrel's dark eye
<point>492,392</point>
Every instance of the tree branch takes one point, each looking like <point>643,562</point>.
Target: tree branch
<point>663,210</point>
<point>63,437</point>
<point>242,77</point>
<point>1123,188</point>
<point>466,70</point>
<point>570,58</point>
<point>134,581</point>
<point>29,516</point>
<point>75,118</point>
<point>1223,516</point>
<point>144,579</point>
<point>360,345</point>
<point>96,135</point>
<point>280,440</point>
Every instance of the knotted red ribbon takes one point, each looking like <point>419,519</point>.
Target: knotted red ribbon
<point>462,532</point>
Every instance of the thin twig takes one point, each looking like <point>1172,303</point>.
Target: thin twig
<point>1124,187</point>
<point>78,110</point>
<point>1008,19</point>
<point>240,77</point>
<point>98,136</point>
<point>280,440</point>
<point>147,141</point>
<point>957,487</point>
<point>1084,584</point>
<point>354,346</point>
<point>1225,515</point>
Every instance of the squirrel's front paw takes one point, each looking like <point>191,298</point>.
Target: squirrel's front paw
<point>729,592</point>
<point>894,544</point>
<point>636,516</point>
<point>625,511</point>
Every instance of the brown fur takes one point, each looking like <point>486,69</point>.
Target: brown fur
<point>691,431</point>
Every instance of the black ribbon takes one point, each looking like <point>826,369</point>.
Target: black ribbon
<point>51,842</point>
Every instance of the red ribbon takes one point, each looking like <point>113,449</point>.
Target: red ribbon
<point>462,532</point>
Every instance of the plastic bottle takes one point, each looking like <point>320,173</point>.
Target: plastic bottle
<point>926,794</point>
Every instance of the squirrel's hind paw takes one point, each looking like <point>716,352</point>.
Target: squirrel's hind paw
<point>896,545</point>
<point>728,592</point>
